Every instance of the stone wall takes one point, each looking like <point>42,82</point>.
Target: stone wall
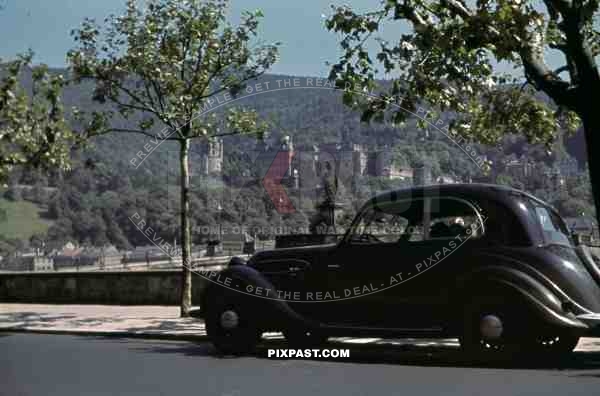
<point>154,287</point>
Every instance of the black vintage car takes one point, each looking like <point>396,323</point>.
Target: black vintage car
<point>493,266</point>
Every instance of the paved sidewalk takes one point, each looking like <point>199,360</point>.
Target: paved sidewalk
<point>151,321</point>
<point>157,322</point>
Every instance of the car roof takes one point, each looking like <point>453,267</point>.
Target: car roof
<point>488,191</point>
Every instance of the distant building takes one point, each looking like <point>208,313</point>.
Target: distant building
<point>303,168</point>
<point>27,263</point>
<point>480,178</point>
<point>305,164</point>
<point>393,172</point>
<point>41,264</point>
<point>212,158</point>
<point>422,175</point>
<point>264,157</point>
<point>277,161</point>
<point>69,246</point>
<point>398,173</point>
<point>295,179</point>
<point>353,161</point>
<point>283,165</point>
<point>382,163</point>
<point>559,181</point>
<point>68,256</point>
<point>447,179</point>
<point>146,254</point>
<point>520,168</point>
<point>71,256</point>
<point>567,166</point>
<point>586,228</point>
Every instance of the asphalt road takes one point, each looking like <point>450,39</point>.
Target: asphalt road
<point>63,365</point>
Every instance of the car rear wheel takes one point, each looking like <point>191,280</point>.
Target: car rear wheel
<point>555,344</point>
<point>231,329</point>
<point>489,329</point>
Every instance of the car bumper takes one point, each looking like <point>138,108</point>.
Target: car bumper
<point>592,320</point>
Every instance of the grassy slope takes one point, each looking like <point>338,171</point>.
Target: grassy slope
<point>23,220</point>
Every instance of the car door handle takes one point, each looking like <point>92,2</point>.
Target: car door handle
<point>334,266</point>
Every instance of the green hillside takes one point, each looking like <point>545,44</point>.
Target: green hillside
<point>23,220</point>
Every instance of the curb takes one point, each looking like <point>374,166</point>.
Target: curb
<point>115,334</point>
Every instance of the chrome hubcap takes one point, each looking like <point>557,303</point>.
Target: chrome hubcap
<point>491,327</point>
<point>229,319</point>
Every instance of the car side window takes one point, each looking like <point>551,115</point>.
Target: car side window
<point>389,223</point>
<point>502,227</point>
<point>448,218</point>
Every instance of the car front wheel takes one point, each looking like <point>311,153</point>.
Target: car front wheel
<point>231,329</point>
<point>497,329</point>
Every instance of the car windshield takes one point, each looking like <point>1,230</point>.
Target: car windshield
<point>553,227</point>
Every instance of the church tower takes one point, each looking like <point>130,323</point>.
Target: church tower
<point>215,156</point>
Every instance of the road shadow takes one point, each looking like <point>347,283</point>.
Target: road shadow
<point>8,320</point>
<point>404,354</point>
<point>49,321</point>
<point>185,325</point>
<point>143,325</point>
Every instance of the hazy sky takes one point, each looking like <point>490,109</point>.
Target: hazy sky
<point>44,26</point>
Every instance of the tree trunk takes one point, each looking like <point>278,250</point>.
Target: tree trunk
<point>588,111</point>
<point>588,94</point>
<point>591,125</point>
<point>186,243</point>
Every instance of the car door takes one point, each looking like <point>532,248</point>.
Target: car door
<point>369,266</point>
<point>454,229</point>
<point>402,279</point>
<point>296,273</point>
<point>450,250</point>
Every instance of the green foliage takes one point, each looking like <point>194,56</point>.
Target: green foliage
<point>165,63</point>
<point>33,131</point>
<point>22,220</point>
<point>504,180</point>
<point>13,194</point>
<point>446,61</point>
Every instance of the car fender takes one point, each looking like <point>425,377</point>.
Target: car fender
<point>510,282</point>
<point>272,311</point>
<point>585,255</point>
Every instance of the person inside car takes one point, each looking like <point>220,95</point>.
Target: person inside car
<point>458,227</point>
<point>439,230</point>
